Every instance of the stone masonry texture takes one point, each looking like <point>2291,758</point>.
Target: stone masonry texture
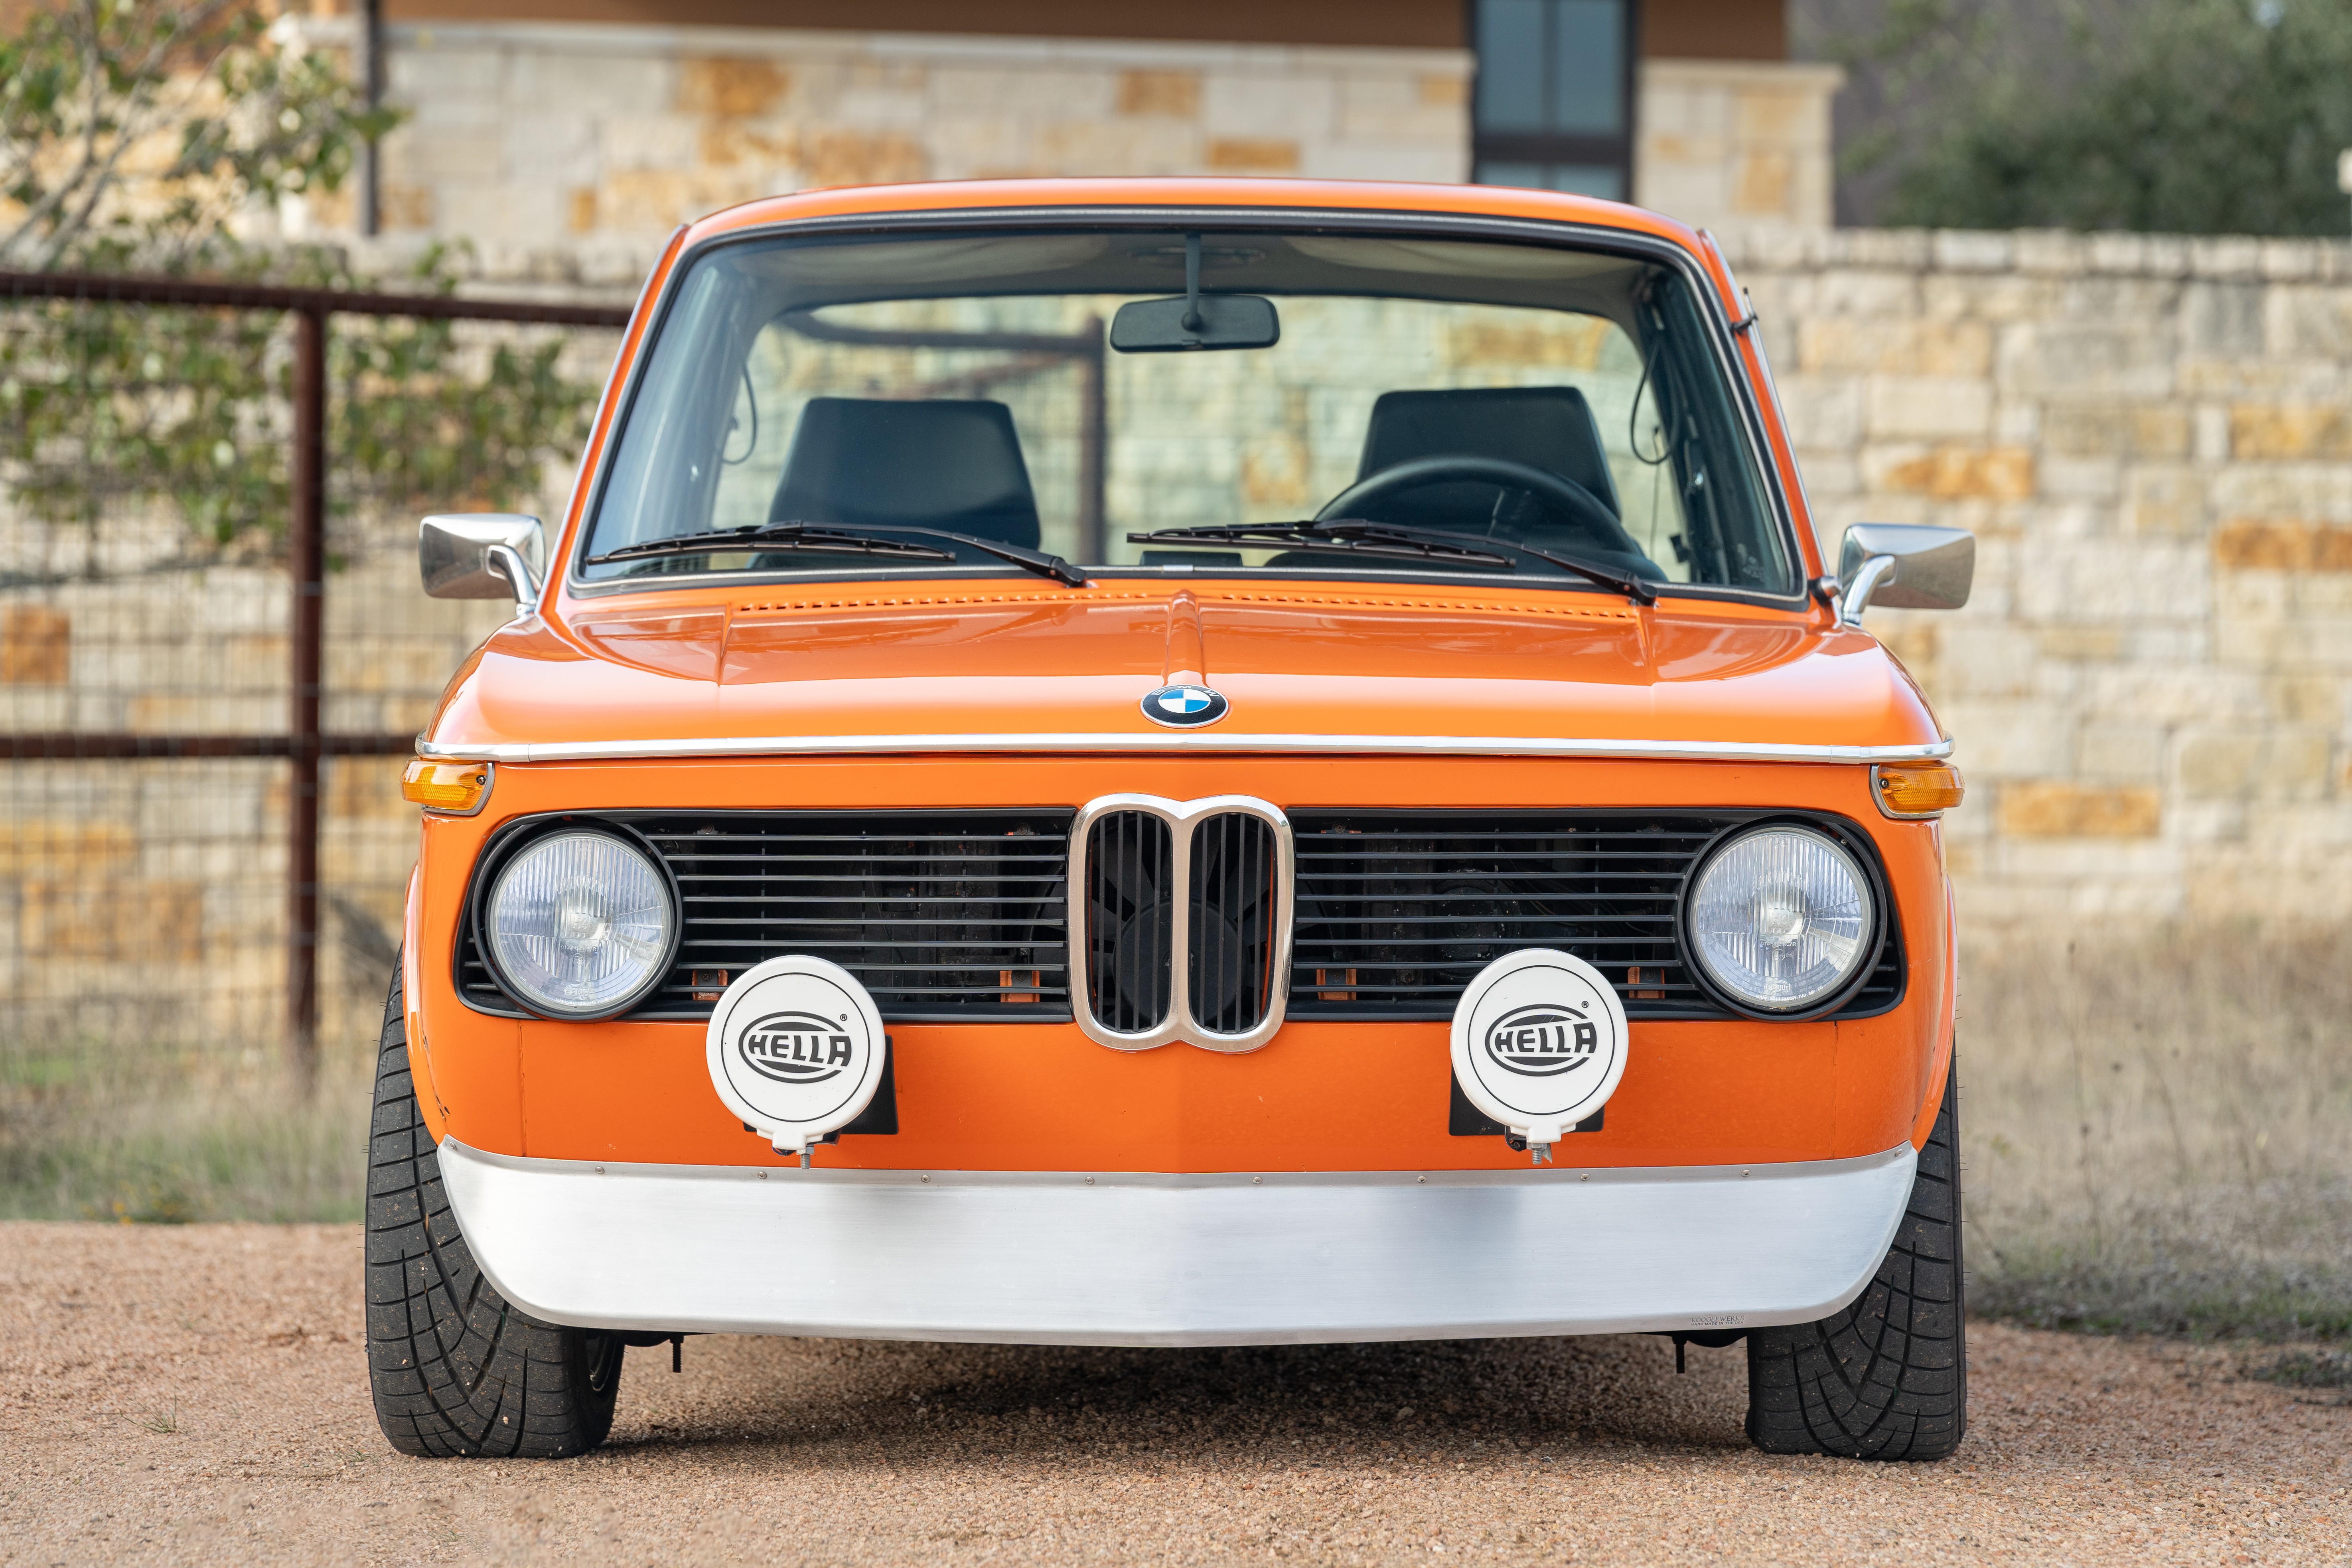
<point>528,136</point>
<point>2149,435</point>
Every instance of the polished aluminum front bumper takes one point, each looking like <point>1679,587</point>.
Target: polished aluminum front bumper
<point>1144,1260</point>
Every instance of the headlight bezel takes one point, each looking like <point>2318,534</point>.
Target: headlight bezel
<point>502,854</point>
<point>1858,846</point>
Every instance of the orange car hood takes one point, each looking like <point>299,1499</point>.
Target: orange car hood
<point>1057,665</point>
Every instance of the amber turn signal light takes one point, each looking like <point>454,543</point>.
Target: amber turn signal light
<point>456,787</point>
<point>1916,789</point>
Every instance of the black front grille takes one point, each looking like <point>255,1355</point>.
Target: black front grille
<point>1131,891</point>
<point>943,916</point>
<point>962,916</point>
<point>1236,860</point>
<point>1398,911</point>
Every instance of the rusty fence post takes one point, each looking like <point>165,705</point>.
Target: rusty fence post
<point>306,564</point>
<point>303,742</point>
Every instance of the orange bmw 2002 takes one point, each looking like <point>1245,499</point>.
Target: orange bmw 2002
<point>1177,762</point>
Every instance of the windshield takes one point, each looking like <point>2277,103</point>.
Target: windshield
<point>1277,404</point>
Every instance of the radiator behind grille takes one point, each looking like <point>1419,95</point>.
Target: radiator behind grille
<point>1130,879</point>
<point>1235,864</point>
<point>944,916</point>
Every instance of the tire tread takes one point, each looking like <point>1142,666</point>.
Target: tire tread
<point>1886,1377</point>
<point>453,1368</point>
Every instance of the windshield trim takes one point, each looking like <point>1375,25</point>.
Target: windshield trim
<point>1279,219</point>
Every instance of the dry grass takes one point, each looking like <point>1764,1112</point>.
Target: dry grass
<point>2159,1134</point>
<point>2304,1369</point>
<point>90,1129</point>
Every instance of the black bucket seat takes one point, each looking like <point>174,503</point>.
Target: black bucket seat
<point>870,462</point>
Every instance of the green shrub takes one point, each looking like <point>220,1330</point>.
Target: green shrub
<point>2165,116</point>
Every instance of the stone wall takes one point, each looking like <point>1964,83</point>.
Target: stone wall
<point>2152,438</point>
<point>543,136</point>
<point>591,142</point>
<point>1737,144</point>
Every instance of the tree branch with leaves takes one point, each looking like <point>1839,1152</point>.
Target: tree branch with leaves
<point>143,132</point>
<point>161,137</point>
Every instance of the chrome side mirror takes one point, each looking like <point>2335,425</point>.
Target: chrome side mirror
<point>1904,566</point>
<point>481,555</point>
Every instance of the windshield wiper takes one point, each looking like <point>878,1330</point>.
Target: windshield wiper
<point>1358,536</point>
<point>766,537</point>
<point>831,539</point>
<point>1347,537</point>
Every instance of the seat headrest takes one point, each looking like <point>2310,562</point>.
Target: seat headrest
<point>869,462</point>
<point>1548,427</point>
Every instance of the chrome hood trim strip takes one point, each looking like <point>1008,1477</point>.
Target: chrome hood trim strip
<point>1191,745</point>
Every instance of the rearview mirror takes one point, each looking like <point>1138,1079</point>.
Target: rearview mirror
<point>481,555</point>
<point>1198,321</point>
<point>1904,566</point>
<point>1203,322</point>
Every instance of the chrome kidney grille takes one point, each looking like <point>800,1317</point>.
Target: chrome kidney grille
<point>1235,885</point>
<point>1162,889</point>
<point>1130,886</point>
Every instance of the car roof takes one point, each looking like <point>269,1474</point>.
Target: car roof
<point>1239,195</point>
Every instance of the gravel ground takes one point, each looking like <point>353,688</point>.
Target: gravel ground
<point>200,1393</point>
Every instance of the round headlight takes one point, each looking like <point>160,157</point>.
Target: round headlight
<point>580,924</point>
<point>1780,918</point>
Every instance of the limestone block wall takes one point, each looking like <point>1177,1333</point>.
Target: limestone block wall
<point>2152,438</point>
<point>1737,144</point>
<point>544,136</point>
<point>583,145</point>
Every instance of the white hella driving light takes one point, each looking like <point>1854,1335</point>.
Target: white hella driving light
<point>1780,918</point>
<point>580,924</point>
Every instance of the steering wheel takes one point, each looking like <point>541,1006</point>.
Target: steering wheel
<point>1588,511</point>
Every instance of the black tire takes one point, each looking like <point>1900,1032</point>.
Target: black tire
<point>1886,1378</point>
<point>454,1369</point>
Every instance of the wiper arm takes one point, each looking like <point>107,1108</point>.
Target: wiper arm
<point>833,540</point>
<point>1345,537</point>
<point>1632,587</point>
<point>1350,535</point>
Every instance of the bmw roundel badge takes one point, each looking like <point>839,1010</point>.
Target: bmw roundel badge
<point>1184,706</point>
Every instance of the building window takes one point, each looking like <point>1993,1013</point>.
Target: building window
<point>1555,101</point>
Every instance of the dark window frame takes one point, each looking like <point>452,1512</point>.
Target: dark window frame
<point>1490,147</point>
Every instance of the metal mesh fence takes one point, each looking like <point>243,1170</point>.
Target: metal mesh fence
<point>150,472</point>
